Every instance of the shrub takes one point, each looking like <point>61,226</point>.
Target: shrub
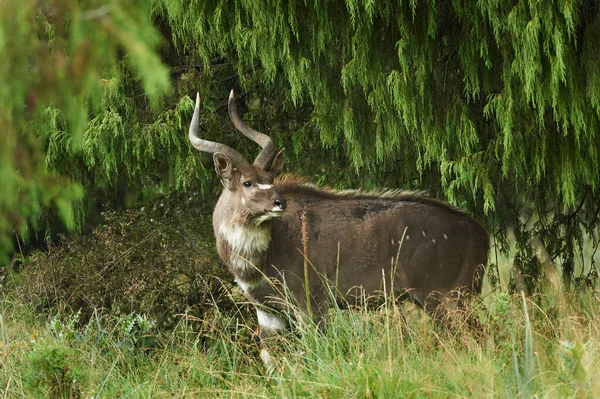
<point>158,260</point>
<point>55,372</point>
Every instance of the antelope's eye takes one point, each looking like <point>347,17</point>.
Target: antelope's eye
<point>247,184</point>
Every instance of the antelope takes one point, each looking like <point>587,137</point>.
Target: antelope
<point>355,243</point>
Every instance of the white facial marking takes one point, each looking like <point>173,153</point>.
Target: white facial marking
<point>424,235</point>
<point>445,236</point>
<point>243,201</point>
<point>246,239</point>
<point>270,321</point>
<point>264,186</point>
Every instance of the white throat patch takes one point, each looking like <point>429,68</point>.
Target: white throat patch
<point>246,240</point>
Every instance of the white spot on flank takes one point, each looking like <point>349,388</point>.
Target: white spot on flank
<point>445,236</point>
<point>424,235</point>
<point>270,321</point>
<point>407,237</point>
<point>433,240</point>
<point>244,240</point>
<point>264,186</point>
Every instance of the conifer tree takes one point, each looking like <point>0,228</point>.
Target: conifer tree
<point>496,103</point>
<point>492,105</point>
<point>60,60</point>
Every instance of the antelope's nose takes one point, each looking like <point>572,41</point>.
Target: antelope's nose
<point>280,203</point>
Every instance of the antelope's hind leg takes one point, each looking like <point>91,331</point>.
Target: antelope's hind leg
<point>452,313</point>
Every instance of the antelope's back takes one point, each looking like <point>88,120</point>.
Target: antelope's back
<point>423,245</point>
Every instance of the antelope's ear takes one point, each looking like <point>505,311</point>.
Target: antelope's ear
<point>224,167</point>
<point>277,164</point>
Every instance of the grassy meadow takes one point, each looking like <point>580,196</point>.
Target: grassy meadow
<point>542,346</point>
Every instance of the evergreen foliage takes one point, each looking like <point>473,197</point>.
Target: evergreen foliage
<point>493,105</point>
<point>500,97</point>
<point>59,59</point>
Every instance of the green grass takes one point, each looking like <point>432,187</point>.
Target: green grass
<point>545,346</point>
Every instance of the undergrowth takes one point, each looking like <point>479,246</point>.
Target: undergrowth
<point>523,351</point>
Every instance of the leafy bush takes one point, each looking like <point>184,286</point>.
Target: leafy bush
<point>55,372</point>
<point>158,260</point>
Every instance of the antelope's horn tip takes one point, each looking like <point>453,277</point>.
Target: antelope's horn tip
<point>197,100</point>
<point>231,95</point>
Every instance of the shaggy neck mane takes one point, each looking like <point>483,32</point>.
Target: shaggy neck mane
<point>292,186</point>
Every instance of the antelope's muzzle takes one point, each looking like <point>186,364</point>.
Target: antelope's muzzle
<point>279,204</point>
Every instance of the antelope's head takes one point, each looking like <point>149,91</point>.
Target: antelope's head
<point>249,187</point>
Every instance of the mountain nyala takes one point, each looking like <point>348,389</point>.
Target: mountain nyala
<point>284,238</point>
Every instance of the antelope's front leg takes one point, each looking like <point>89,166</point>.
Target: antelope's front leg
<point>269,323</point>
